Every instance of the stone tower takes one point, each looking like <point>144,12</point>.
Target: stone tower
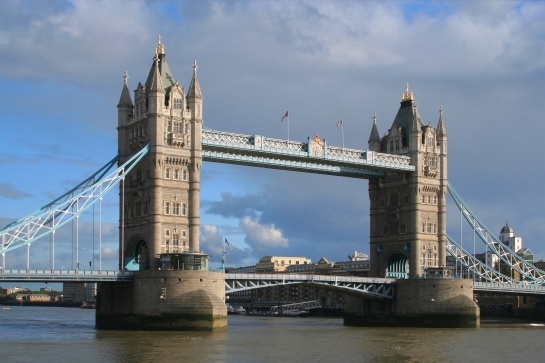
<point>159,201</point>
<point>408,211</point>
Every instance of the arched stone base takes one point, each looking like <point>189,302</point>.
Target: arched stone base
<point>164,300</point>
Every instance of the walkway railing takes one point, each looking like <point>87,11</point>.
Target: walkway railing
<point>44,275</point>
<point>315,156</point>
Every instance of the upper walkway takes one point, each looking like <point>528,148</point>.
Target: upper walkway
<point>314,156</point>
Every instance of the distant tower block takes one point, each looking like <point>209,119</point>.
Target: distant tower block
<point>408,211</point>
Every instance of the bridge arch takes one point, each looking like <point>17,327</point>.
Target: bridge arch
<point>398,266</point>
<point>137,256</point>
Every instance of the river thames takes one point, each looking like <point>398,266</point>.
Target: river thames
<point>43,334</point>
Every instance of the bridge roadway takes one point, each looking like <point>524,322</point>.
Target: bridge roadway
<point>45,275</point>
<point>383,288</point>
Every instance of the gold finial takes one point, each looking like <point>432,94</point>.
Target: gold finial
<point>441,111</point>
<point>408,95</point>
<point>195,66</point>
<point>160,47</point>
<point>126,77</point>
<point>375,118</point>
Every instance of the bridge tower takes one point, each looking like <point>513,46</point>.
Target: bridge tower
<point>408,211</point>
<point>408,232</point>
<point>159,212</point>
<point>159,203</point>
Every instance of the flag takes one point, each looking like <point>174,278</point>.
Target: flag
<point>226,242</point>
<point>285,116</point>
<point>340,123</point>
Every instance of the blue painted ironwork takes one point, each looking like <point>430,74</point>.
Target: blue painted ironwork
<point>530,273</point>
<point>315,156</point>
<point>472,264</point>
<point>62,210</point>
<point>376,287</point>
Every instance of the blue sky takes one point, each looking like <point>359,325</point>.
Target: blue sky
<point>61,74</point>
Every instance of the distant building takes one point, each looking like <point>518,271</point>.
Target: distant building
<point>79,291</point>
<point>33,297</point>
<point>13,290</point>
<point>275,264</point>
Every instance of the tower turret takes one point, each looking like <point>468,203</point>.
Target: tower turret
<point>194,104</point>
<point>160,201</point>
<point>374,138</point>
<point>408,210</point>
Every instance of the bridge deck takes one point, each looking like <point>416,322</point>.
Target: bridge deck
<point>65,276</point>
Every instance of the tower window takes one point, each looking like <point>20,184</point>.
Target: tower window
<point>176,209</point>
<point>167,173</point>
<point>177,104</point>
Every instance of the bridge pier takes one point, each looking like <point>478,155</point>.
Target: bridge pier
<point>445,303</point>
<point>163,300</point>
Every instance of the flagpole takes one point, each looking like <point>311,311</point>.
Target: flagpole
<point>223,256</point>
<point>342,132</point>
<point>288,126</point>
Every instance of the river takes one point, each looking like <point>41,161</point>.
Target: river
<point>44,334</point>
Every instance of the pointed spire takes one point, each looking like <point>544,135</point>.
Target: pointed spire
<point>156,83</point>
<point>194,87</point>
<point>417,122</point>
<point>441,130</point>
<point>374,138</point>
<point>125,99</point>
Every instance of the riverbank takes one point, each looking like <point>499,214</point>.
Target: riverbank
<point>62,304</point>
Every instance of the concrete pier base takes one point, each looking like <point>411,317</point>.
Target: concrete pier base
<point>164,300</point>
<point>418,303</point>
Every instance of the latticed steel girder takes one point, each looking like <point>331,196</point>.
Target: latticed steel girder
<point>474,265</point>
<point>513,288</point>
<point>528,271</point>
<point>304,305</point>
<point>64,209</point>
<point>383,288</point>
<point>315,156</point>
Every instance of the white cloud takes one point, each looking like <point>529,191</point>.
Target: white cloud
<point>261,236</point>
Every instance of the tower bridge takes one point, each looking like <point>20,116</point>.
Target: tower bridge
<point>163,280</point>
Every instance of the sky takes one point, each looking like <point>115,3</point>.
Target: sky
<point>61,76</point>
